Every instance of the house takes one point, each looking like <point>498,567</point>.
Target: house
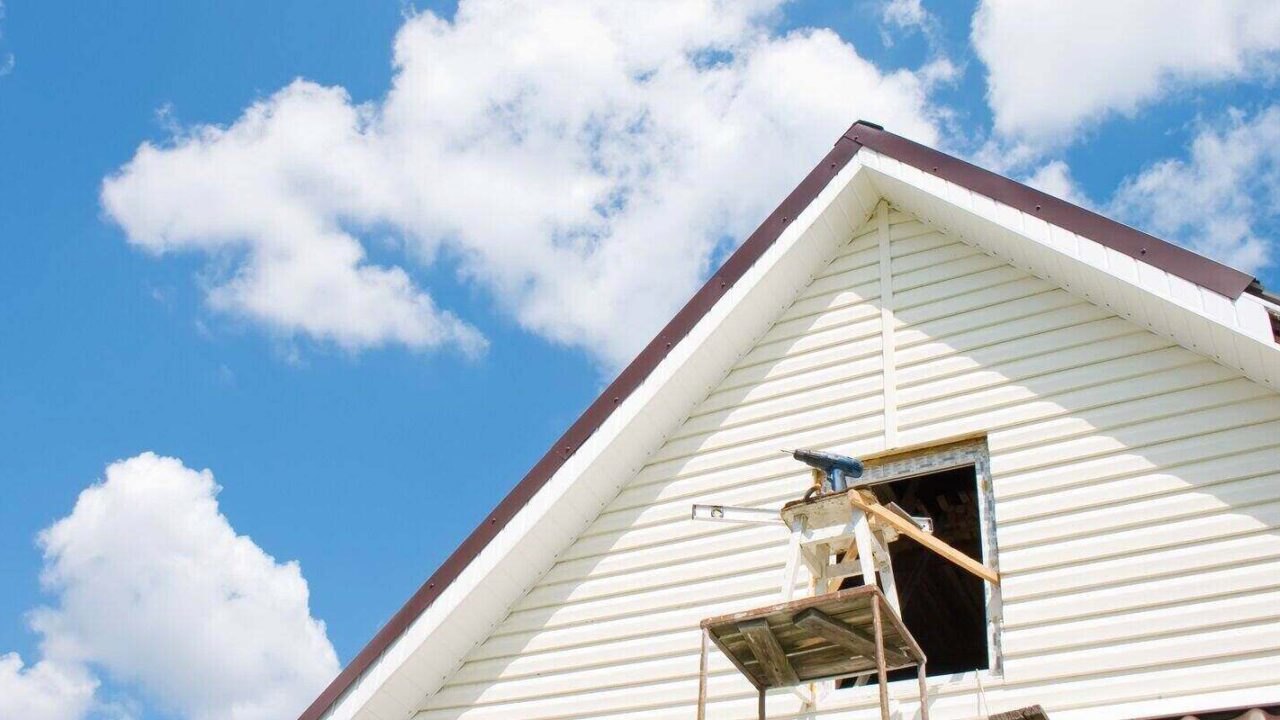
<point>1087,408</point>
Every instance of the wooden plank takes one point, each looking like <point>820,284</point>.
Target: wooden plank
<point>768,653</point>
<point>849,638</point>
<point>930,542</point>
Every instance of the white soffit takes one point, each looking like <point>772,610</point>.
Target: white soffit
<point>1236,333</point>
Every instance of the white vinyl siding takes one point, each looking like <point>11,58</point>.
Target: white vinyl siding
<point>1137,490</point>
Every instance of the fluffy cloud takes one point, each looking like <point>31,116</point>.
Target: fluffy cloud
<point>1054,66</point>
<point>48,690</point>
<point>1216,200</point>
<point>156,590</point>
<point>1054,177</point>
<point>582,162</point>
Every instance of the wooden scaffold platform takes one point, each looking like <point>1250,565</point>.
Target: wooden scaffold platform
<point>843,634</point>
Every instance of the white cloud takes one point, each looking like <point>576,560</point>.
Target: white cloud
<point>582,162</point>
<point>271,194</point>
<point>1056,66</point>
<point>1218,199</point>
<point>156,590</point>
<point>905,14</point>
<point>49,690</point>
<point>1054,177</point>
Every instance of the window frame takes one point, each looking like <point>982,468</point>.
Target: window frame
<point>895,466</point>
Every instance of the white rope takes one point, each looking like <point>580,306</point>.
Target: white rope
<point>984,710</point>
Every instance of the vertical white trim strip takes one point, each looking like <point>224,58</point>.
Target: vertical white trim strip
<point>886,329</point>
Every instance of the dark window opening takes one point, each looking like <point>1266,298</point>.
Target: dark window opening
<point>943,606</point>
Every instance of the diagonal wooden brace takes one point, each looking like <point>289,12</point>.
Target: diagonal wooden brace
<point>907,528</point>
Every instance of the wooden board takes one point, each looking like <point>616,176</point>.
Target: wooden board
<point>813,648</point>
<point>819,512</point>
<point>906,527</point>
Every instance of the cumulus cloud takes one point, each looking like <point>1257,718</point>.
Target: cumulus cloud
<point>1217,200</point>
<point>1054,66</point>
<point>157,592</point>
<point>1054,177</point>
<point>583,163</point>
<point>49,690</point>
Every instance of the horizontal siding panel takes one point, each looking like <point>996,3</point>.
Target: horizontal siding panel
<point>1175,448</point>
<point>827,376</point>
<point>906,266</point>
<point>1223,580</point>
<point>969,292</point>
<point>1115,485</point>
<point>864,426</point>
<point>508,640</point>
<point>794,365</point>
<point>1190,647</point>
<point>1015,411</point>
<point>1188,423</point>
<point>774,424</point>
<point>729,539</point>
<point>1144,513</point>
<point>959,334</point>
<point>1031,370</point>
<point>1087,548</point>
<point>1181,560</point>
<point>1253,608</point>
<point>755,413</point>
<point>1037,353</point>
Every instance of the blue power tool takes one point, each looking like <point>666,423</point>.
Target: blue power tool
<point>836,468</point>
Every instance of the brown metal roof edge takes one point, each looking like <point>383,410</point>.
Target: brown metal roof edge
<point>1171,258</point>
<point>1235,713</point>
<point>1176,260</point>
<point>591,419</point>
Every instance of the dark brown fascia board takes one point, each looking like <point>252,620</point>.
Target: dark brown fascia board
<point>1198,269</point>
<point>595,415</point>
<point>1117,236</point>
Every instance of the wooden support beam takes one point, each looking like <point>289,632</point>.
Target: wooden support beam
<point>702,677</point>
<point>909,529</point>
<point>924,691</point>
<point>882,674</point>
<point>764,645</point>
<point>839,633</point>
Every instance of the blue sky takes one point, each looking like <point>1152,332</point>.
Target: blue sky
<point>365,448</point>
